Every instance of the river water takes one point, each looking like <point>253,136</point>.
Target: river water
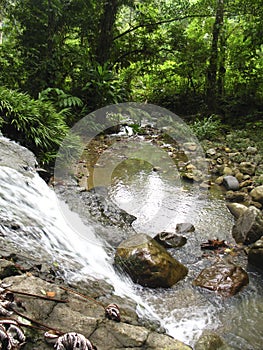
<point>53,233</point>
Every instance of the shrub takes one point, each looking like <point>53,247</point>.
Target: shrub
<point>33,123</point>
<point>207,128</point>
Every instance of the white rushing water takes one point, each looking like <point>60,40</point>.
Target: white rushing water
<point>30,203</point>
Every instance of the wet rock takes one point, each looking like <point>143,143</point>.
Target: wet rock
<point>249,226</point>
<point>161,341</point>
<point>247,168</point>
<point>148,263</point>
<point>104,209</point>
<point>85,317</point>
<point>209,341</point>
<point>236,209</point>
<point>224,278</point>
<point>184,227</point>
<point>255,254</point>
<point>257,194</point>
<point>231,183</point>
<point>170,240</point>
<point>14,156</point>
<point>236,196</point>
<point>8,268</point>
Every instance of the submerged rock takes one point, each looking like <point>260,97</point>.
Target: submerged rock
<point>224,278</point>
<point>148,263</point>
<point>249,226</point>
<point>255,254</point>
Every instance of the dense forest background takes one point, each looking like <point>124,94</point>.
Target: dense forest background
<point>62,59</point>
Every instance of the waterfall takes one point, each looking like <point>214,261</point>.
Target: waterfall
<point>28,203</point>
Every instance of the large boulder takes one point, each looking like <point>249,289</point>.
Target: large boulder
<point>255,254</point>
<point>224,278</point>
<point>249,226</point>
<point>257,194</point>
<point>148,263</point>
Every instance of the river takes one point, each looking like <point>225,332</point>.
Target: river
<point>52,232</point>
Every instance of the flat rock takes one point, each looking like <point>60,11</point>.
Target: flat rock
<point>83,316</point>
<point>209,341</point>
<point>224,278</point>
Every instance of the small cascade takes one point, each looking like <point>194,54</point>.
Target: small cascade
<point>27,203</point>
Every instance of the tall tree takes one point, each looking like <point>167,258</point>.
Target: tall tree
<point>212,70</point>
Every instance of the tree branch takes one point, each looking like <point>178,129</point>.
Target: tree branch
<point>145,25</point>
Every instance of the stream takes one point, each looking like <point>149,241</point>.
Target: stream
<point>58,229</point>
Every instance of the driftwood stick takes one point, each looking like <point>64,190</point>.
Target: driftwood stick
<point>39,324</point>
<point>37,296</point>
<point>72,291</point>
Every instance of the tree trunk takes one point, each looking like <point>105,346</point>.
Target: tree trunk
<point>105,34</point>
<point>212,71</point>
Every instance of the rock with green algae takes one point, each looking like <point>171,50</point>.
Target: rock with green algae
<point>148,263</point>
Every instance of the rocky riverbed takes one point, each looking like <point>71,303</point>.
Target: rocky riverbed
<point>85,313</point>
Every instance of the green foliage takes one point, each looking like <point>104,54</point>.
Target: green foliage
<point>34,123</point>
<point>163,52</point>
<point>59,98</point>
<point>207,127</point>
<point>102,87</point>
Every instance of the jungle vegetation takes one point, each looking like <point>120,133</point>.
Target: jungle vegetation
<point>62,59</point>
